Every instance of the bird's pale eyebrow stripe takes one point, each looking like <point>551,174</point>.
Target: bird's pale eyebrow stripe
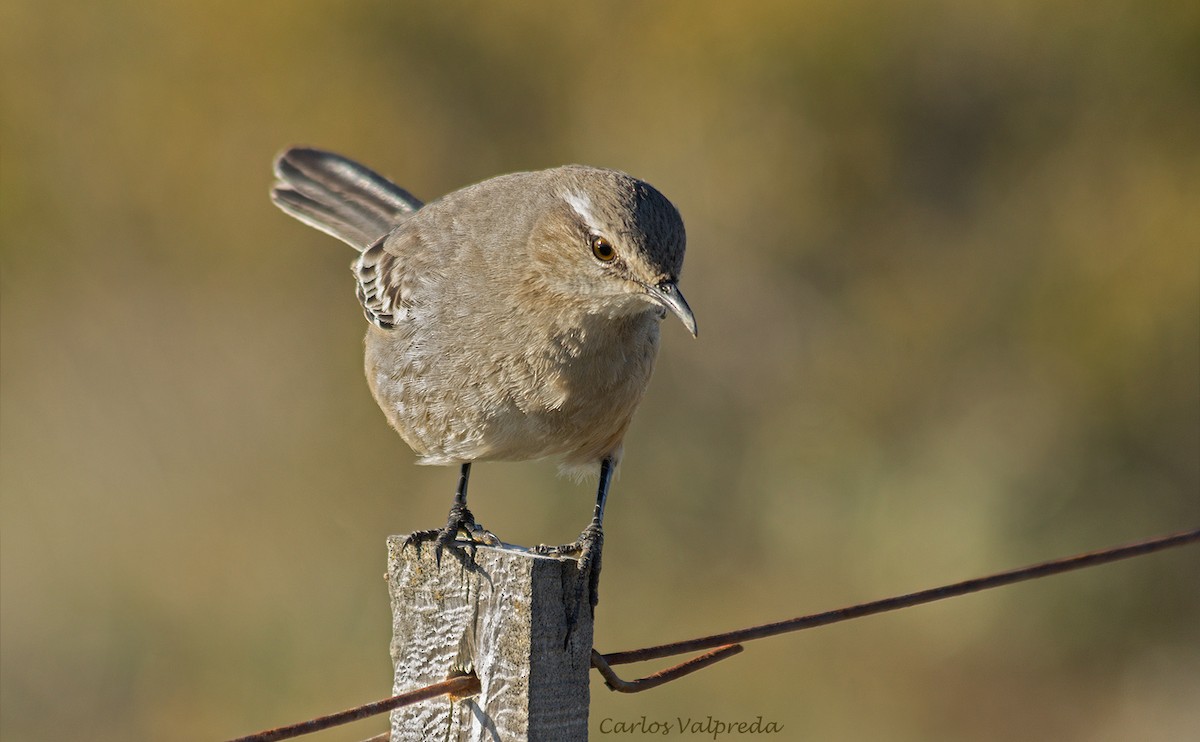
<point>582,204</point>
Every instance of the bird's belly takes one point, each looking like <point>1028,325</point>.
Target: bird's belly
<point>578,427</point>
<point>516,426</point>
<point>514,409</point>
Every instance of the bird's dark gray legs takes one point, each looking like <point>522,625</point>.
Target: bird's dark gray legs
<point>590,544</point>
<point>591,541</point>
<point>459,521</point>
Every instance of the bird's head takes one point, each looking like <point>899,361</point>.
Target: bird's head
<point>615,241</point>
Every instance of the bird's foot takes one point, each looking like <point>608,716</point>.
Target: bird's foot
<point>460,521</point>
<point>587,549</point>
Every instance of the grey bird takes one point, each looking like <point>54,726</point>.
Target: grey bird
<point>514,319</point>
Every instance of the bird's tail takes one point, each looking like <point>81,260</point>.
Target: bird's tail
<point>339,196</point>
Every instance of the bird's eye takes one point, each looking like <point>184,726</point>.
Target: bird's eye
<point>603,249</point>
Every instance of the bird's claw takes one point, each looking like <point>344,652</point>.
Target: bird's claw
<point>460,522</point>
<point>587,549</point>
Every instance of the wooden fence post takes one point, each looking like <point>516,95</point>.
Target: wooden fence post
<point>504,617</point>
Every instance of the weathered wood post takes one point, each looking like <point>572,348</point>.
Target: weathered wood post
<point>503,617</point>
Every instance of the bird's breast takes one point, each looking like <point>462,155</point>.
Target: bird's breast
<point>526,389</point>
<point>588,380</point>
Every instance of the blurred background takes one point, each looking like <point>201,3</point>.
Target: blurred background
<point>945,258</point>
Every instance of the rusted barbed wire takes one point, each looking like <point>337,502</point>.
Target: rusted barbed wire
<point>614,682</point>
<point>463,685</point>
<point>728,644</point>
<point>1043,569</point>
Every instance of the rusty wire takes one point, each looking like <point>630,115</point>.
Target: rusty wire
<point>463,685</point>
<point>614,682</point>
<point>1044,569</point>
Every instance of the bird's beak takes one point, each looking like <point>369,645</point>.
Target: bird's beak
<point>668,295</point>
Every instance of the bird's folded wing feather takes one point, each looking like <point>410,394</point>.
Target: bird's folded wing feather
<point>385,279</point>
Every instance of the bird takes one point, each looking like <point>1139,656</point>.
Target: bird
<point>514,319</point>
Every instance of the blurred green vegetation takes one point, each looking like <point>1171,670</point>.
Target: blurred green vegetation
<point>946,262</point>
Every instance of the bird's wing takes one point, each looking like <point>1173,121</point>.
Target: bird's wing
<point>386,280</point>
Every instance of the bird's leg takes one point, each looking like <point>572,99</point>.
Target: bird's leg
<point>589,546</point>
<point>460,520</point>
